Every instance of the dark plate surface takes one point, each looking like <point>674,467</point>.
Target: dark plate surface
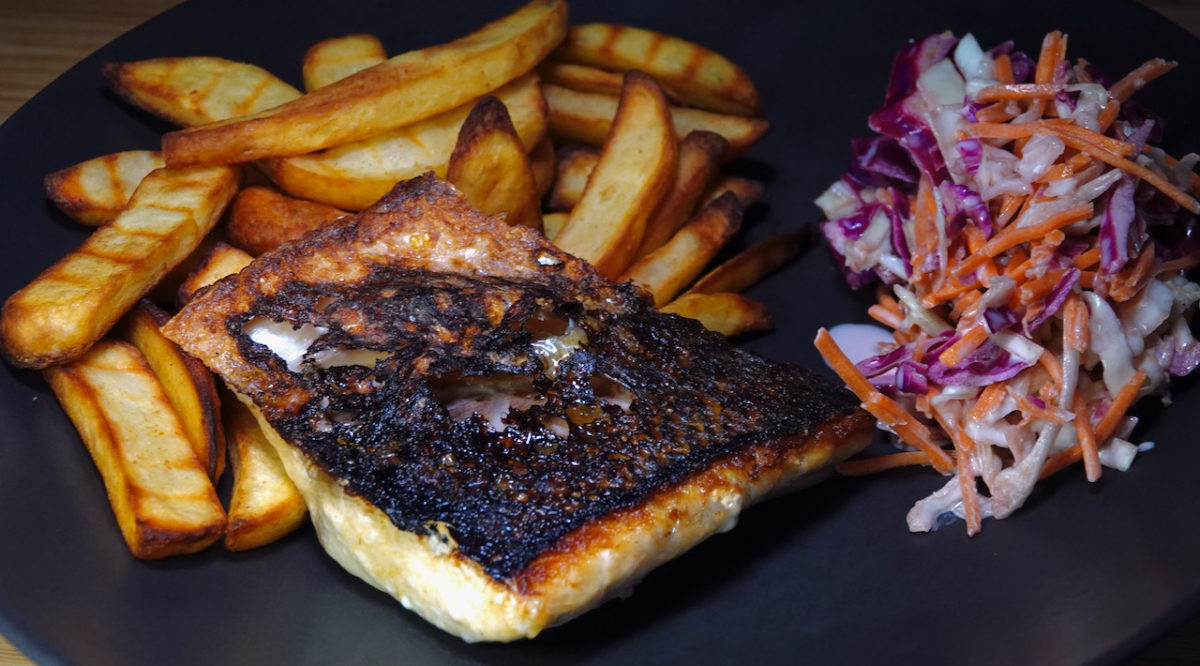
<point>826,575</point>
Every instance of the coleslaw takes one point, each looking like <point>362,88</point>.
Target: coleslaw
<point>1029,245</point>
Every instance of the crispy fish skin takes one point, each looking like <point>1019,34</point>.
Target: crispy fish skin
<point>640,436</point>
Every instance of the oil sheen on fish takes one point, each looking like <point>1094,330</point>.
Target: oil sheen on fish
<point>489,430</point>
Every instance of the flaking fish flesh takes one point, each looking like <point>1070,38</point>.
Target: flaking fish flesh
<point>486,428</point>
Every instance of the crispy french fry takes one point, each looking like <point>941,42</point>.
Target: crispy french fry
<point>754,263</point>
<point>223,259</point>
<point>671,267</point>
<point>727,314</point>
<point>552,223</point>
<point>197,90</point>
<point>574,164</point>
<point>634,172</point>
<point>160,494</point>
<point>355,175</point>
<point>748,191</point>
<point>262,219</point>
<point>580,117</point>
<point>97,190</point>
<point>71,304</point>
<point>188,385</point>
<point>264,505</point>
<point>491,168</point>
<point>703,78</point>
<point>403,90</point>
<point>336,58</point>
<point>700,157</point>
<point>542,161</point>
<point>587,78</point>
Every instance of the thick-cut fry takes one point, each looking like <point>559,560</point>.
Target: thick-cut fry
<point>262,219</point>
<point>583,78</point>
<point>542,162</point>
<point>754,263</point>
<point>727,314</point>
<point>264,505</point>
<point>197,90</point>
<point>633,174</point>
<point>336,58</point>
<point>671,267</point>
<point>490,167</point>
<point>223,259</point>
<point>188,385</point>
<point>747,190</point>
<point>160,494</point>
<point>700,156</point>
<point>97,190</point>
<point>355,175</point>
<point>403,90</point>
<point>573,167</point>
<point>71,304</point>
<point>582,117</point>
<point>703,78</point>
<point>552,223</point>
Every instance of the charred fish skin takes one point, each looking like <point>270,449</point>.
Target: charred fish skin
<point>487,392</point>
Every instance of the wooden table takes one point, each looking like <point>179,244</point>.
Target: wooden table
<point>40,39</point>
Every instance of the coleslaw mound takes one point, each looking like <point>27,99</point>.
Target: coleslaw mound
<point>1029,246</point>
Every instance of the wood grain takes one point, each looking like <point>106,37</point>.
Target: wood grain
<point>40,39</point>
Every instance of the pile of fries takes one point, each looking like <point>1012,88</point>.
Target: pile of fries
<point>611,140</point>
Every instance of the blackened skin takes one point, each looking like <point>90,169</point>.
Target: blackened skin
<point>505,497</point>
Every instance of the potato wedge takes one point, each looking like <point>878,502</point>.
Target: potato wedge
<point>189,386</point>
<point>403,90</point>
<point>754,263</point>
<point>71,304</point>
<point>583,78</point>
<point>97,190</point>
<point>490,167</point>
<point>354,176</point>
<point>700,156</point>
<point>264,505</point>
<point>727,314</point>
<point>336,58</point>
<point>703,78</point>
<point>634,172</point>
<point>197,90</point>
<point>573,166</point>
<point>580,117</point>
<point>223,259</point>
<point>160,493</point>
<point>262,219</point>
<point>671,267</point>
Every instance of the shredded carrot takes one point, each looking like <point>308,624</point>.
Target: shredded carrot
<point>1012,236</point>
<point>1004,71</point>
<point>1138,78</point>
<point>1152,177</point>
<point>1061,460</point>
<point>1009,207</point>
<point>885,316</point>
<point>907,428</point>
<point>1052,366</point>
<point>963,445</point>
<point>1054,50</point>
<point>997,112</point>
<point>1079,161</point>
<point>1000,130</point>
<point>988,400</point>
<point>1180,264</point>
<point>1017,91</point>
<point>1088,258</point>
<point>1121,403</point>
<point>1032,410</point>
<point>1108,114</point>
<point>1036,291</point>
<point>875,464</point>
<point>1086,437</point>
<point>962,348</point>
<point>1131,281</point>
<point>1075,324</point>
<point>1115,146</point>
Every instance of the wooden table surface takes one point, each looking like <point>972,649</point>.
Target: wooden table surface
<point>40,39</point>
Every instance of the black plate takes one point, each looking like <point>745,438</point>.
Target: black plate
<point>826,575</point>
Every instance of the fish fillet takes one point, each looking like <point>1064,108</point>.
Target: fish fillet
<point>486,428</point>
